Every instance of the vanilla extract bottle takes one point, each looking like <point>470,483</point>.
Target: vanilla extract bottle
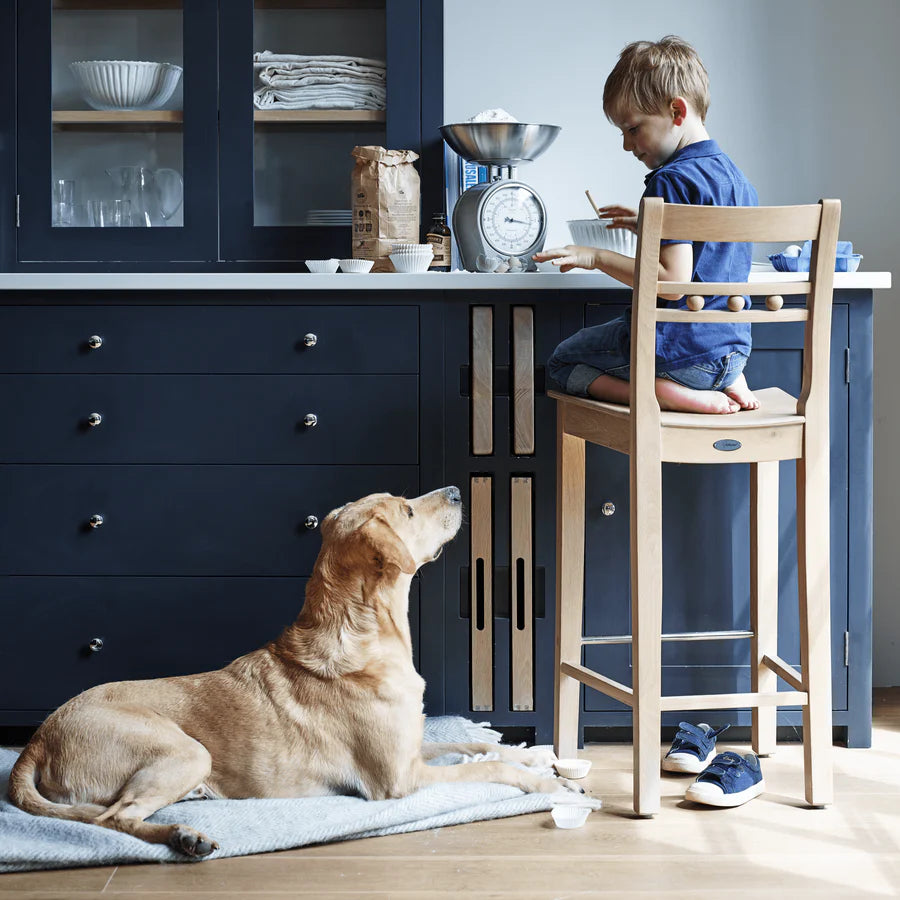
<point>439,237</point>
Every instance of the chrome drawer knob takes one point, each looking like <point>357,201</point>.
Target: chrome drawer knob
<point>95,521</point>
<point>310,420</point>
<point>311,522</point>
<point>95,342</point>
<point>608,508</point>
<point>96,645</point>
<point>310,339</point>
<point>94,419</point>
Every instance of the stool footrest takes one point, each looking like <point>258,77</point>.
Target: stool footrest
<point>598,682</point>
<point>734,701</point>
<point>673,636</point>
<point>783,670</point>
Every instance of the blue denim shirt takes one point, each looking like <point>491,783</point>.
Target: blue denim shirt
<point>701,174</point>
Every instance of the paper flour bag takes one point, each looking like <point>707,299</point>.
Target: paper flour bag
<point>385,192</point>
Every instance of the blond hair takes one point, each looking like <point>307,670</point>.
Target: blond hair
<point>648,75</point>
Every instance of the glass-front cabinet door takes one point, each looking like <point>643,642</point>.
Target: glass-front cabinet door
<point>117,130</point>
<point>302,83</point>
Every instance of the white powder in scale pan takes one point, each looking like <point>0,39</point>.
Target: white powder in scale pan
<point>493,115</point>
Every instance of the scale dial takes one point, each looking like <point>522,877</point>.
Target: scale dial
<point>512,219</point>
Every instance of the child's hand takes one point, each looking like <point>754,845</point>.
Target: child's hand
<point>622,217</point>
<point>569,257</point>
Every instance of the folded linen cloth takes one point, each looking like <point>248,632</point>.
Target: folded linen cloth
<point>256,826</point>
<point>321,97</point>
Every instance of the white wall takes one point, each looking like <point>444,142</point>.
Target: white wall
<point>804,98</point>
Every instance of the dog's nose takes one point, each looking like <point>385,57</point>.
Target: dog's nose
<point>452,494</point>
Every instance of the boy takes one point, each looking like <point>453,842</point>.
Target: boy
<point>657,95</point>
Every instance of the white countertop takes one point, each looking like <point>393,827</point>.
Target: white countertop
<point>392,281</point>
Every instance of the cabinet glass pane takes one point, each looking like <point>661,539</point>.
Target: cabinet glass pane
<point>319,90</point>
<point>117,114</point>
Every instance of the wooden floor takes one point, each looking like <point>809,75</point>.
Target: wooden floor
<point>772,844</point>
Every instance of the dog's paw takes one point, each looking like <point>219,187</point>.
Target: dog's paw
<point>191,842</point>
<point>533,757</point>
<point>566,784</point>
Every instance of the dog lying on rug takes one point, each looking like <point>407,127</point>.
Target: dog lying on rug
<point>333,706</point>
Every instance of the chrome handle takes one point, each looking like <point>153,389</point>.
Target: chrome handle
<point>608,508</point>
<point>95,645</point>
<point>311,522</point>
<point>95,521</point>
<point>310,339</point>
<point>95,342</point>
<point>310,420</point>
<point>94,419</point>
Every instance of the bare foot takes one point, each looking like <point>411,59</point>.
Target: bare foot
<point>678,398</point>
<point>670,394</point>
<point>740,392</point>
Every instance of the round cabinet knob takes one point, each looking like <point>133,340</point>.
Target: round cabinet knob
<point>95,645</point>
<point>95,521</point>
<point>696,302</point>
<point>310,420</point>
<point>311,522</point>
<point>310,340</point>
<point>608,508</point>
<point>95,342</point>
<point>94,419</point>
<point>775,302</point>
<point>736,303</point>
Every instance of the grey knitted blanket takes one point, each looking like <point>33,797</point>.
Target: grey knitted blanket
<point>255,826</point>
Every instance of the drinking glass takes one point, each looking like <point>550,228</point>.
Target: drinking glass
<point>121,214</point>
<point>100,214</point>
<point>63,200</point>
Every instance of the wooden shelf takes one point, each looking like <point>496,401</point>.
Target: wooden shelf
<point>117,4</point>
<point>299,116</point>
<point>153,117</point>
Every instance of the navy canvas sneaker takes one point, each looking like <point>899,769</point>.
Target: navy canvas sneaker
<point>729,780</point>
<point>693,748</point>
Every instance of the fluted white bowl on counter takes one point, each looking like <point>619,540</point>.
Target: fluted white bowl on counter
<point>594,233</point>
<point>121,84</point>
<point>412,257</point>
<point>357,266</point>
<point>322,266</point>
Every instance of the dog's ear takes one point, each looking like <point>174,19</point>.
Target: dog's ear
<point>387,547</point>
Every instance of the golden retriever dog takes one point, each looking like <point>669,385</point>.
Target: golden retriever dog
<point>333,706</point>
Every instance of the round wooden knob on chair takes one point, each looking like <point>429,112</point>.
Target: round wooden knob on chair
<point>736,303</point>
<point>775,302</point>
<point>695,302</point>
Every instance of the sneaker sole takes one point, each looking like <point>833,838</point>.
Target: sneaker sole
<point>687,762</point>
<point>709,795</point>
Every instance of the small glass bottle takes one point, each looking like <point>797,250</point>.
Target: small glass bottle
<point>439,237</point>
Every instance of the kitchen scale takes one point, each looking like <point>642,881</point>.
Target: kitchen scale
<point>502,218</point>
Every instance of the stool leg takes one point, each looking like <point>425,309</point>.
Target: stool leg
<point>569,584</point>
<point>814,581</point>
<point>763,597</point>
<point>646,624</point>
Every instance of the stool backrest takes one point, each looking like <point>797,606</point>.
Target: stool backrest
<point>659,220</point>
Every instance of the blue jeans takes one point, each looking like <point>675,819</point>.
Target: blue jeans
<point>606,350</point>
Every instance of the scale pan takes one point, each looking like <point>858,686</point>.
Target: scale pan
<point>499,143</point>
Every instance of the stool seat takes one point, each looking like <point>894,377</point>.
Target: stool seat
<point>774,431</point>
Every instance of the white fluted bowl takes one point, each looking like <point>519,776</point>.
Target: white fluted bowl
<point>110,84</point>
<point>594,233</point>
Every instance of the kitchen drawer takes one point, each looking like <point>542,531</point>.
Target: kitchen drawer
<point>176,520</point>
<point>210,339</point>
<point>369,419</point>
<point>149,627</point>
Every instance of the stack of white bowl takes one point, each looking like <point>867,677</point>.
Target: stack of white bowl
<point>412,257</point>
<point>594,233</point>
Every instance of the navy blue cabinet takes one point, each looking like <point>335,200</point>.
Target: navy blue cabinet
<point>259,185</point>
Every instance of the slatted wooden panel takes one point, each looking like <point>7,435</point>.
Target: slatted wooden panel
<point>521,566</point>
<point>482,356</point>
<point>523,380</point>
<point>481,610</point>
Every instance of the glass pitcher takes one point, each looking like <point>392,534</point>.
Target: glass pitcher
<point>155,194</point>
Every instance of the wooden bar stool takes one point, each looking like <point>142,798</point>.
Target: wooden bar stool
<point>783,427</point>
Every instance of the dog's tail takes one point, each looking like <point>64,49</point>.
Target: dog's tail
<point>24,793</point>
